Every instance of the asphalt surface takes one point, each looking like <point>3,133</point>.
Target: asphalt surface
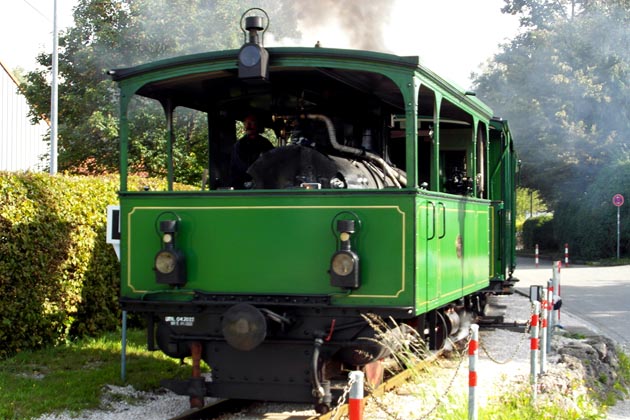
<point>597,296</point>
<point>595,300</point>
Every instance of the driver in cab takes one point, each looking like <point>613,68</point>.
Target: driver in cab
<point>247,150</point>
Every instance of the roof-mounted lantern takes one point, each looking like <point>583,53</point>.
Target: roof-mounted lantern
<point>253,59</point>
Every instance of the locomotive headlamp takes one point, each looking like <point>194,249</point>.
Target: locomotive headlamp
<point>170,264</point>
<point>344,264</point>
<point>253,58</point>
<point>165,262</point>
<point>250,55</point>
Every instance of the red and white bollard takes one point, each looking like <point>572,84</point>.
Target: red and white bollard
<point>557,292</point>
<point>355,396</point>
<point>543,343</point>
<point>473,355</point>
<point>566,255</point>
<point>534,349</point>
<point>536,256</point>
<point>550,320</point>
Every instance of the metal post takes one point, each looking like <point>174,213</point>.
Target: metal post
<point>536,255</point>
<point>550,321</point>
<point>123,348</point>
<point>196,400</point>
<point>543,334</point>
<point>355,396</point>
<point>473,355</point>
<point>53,95</point>
<point>566,255</point>
<point>618,230</point>
<point>534,350</point>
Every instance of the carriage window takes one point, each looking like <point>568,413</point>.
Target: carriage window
<point>150,137</point>
<point>455,160</point>
<point>481,162</point>
<point>456,154</point>
<point>329,129</point>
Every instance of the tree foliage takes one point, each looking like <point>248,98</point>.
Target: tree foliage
<point>564,84</point>
<point>564,87</point>
<point>528,204</point>
<point>111,34</point>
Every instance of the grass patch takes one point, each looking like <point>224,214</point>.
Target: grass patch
<point>519,405</point>
<point>624,367</point>
<point>71,377</point>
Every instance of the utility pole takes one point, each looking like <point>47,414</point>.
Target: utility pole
<point>53,96</point>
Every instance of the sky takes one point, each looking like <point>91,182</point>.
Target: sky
<point>26,28</point>
<point>452,37</point>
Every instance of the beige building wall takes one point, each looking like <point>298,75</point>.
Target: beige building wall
<point>23,146</point>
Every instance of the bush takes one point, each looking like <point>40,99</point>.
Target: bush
<point>539,230</point>
<point>588,222</point>
<point>58,277</point>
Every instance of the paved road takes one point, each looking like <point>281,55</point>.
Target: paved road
<point>599,296</point>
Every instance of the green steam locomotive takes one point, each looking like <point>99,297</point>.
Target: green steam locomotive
<point>386,191</point>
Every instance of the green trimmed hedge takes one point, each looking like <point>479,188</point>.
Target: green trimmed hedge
<point>58,277</point>
<point>588,221</point>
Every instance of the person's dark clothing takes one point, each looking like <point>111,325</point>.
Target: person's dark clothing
<point>244,153</point>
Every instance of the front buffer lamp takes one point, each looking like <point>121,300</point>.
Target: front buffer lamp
<point>344,264</point>
<point>170,264</point>
<point>253,58</point>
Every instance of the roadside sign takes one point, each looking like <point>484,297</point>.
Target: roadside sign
<point>618,200</point>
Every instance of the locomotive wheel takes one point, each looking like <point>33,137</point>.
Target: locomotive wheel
<point>438,333</point>
<point>321,408</point>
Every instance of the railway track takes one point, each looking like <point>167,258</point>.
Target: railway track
<point>213,410</point>
<point>219,408</point>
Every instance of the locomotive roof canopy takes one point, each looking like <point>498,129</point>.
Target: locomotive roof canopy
<point>209,81</point>
<point>288,89</point>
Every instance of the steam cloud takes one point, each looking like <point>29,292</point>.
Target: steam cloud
<point>363,22</point>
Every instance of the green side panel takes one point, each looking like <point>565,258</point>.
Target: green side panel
<point>270,244</point>
<point>497,194</point>
<point>453,248</point>
<point>502,161</point>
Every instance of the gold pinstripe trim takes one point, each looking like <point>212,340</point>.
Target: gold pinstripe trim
<point>352,295</point>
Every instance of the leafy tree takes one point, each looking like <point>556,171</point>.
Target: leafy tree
<point>528,204</point>
<point>563,84</point>
<point>121,33</point>
<point>564,88</point>
<point>546,14</point>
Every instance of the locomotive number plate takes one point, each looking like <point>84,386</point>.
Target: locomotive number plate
<point>180,321</point>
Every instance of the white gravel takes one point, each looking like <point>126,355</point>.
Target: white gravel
<point>122,403</point>
<point>125,403</point>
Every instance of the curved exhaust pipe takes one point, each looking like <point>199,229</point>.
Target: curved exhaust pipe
<point>398,179</point>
